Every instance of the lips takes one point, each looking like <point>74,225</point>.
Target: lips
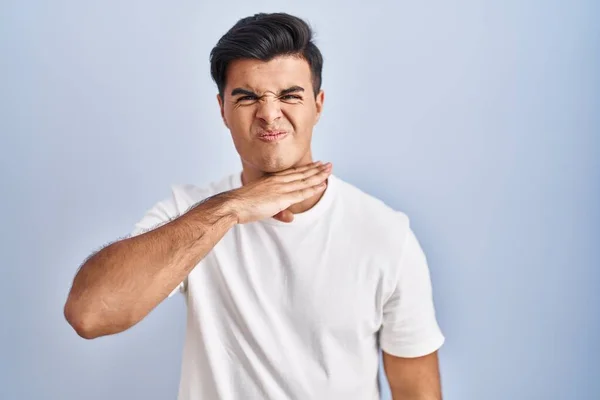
<point>272,136</point>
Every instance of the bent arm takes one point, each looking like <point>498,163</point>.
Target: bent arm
<point>118,286</point>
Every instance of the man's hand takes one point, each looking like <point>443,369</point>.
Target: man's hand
<point>272,194</point>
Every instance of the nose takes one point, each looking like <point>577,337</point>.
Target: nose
<point>268,110</point>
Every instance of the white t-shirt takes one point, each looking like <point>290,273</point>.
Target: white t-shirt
<point>299,310</point>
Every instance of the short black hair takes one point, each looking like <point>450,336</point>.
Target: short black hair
<point>264,37</point>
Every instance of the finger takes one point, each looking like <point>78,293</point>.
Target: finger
<point>284,216</point>
<point>305,193</point>
<point>300,169</point>
<point>305,175</point>
<point>309,181</point>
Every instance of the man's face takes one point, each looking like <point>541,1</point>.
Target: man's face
<point>270,109</point>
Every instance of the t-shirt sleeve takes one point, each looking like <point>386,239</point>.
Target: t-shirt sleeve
<point>409,327</point>
<point>160,214</point>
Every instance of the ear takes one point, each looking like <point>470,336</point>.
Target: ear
<point>222,107</point>
<point>319,100</point>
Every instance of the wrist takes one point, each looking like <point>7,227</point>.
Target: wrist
<point>228,209</point>
<point>220,208</point>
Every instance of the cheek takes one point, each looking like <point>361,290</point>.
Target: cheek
<point>240,119</point>
<point>301,117</point>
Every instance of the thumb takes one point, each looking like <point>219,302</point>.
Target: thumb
<point>284,216</point>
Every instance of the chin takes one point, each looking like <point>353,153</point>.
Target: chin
<point>275,167</point>
<point>276,164</point>
<point>271,161</point>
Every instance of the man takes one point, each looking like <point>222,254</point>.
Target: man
<point>294,279</point>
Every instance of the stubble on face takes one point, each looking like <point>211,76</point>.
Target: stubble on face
<point>270,109</point>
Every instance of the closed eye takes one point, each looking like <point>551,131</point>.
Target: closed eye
<point>246,98</point>
<point>291,97</point>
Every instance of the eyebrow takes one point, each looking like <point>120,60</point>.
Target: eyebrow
<point>246,92</point>
<point>293,89</point>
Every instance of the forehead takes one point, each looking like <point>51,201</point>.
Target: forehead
<point>277,74</point>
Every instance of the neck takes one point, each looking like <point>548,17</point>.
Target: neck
<point>251,174</point>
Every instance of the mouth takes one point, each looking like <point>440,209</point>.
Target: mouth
<point>272,136</point>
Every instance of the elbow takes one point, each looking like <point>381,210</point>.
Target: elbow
<point>85,321</point>
<point>85,332</point>
<point>80,321</point>
<point>88,325</point>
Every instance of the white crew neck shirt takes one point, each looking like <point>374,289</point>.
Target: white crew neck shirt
<point>299,310</point>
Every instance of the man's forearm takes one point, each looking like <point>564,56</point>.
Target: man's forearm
<point>408,395</point>
<point>122,283</point>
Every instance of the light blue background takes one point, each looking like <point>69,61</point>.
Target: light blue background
<point>480,120</point>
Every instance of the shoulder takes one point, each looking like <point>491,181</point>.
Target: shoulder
<point>182,197</point>
<point>366,208</point>
<point>370,218</point>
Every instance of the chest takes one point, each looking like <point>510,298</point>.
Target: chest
<point>316,282</point>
